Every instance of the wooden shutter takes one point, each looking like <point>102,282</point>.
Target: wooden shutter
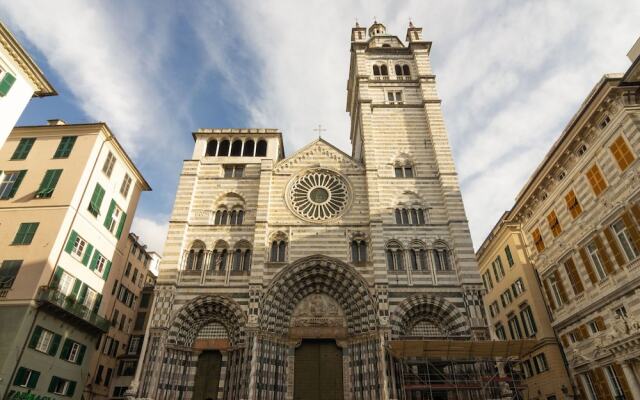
<point>6,83</point>
<point>565,341</point>
<point>83,293</point>
<point>87,254</point>
<point>563,293</point>
<point>71,389</point>
<point>35,337</point>
<point>633,230</point>
<point>635,209</point>
<point>602,387</point>
<point>76,288</point>
<point>72,239</point>
<point>57,274</point>
<point>608,265</point>
<point>94,260</point>
<point>66,349</point>
<point>109,218</point>
<point>81,352</point>
<point>548,293</point>
<point>617,252</point>
<point>55,343</point>
<point>584,332</point>
<point>96,305</point>
<point>33,379</point>
<point>623,381</point>
<point>19,379</point>
<point>16,184</point>
<point>572,272</point>
<point>123,218</point>
<point>600,323</point>
<point>587,266</point>
<point>107,268</point>
<point>53,384</point>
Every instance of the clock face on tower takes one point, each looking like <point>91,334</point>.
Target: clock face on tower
<point>318,195</point>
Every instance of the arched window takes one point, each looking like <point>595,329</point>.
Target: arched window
<point>261,148</point>
<point>398,70</point>
<point>421,218</point>
<point>233,218</point>
<point>442,257</point>
<point>384,71</point>
<point>240,217</point>
<point>403,169</point>
<point>215,258</point>
<point>237,260</point>
<point>376,70</point>
<point>395,257</point>
<point>405,217</point>
<point>219,256</point>
<point>398,216</point>
<point>405,70</point>
<point>224,259</point>
<point>418,257</point>
<point>195,257</point>
<point>218,218</point>
<point>223,219</point>
<point>278,250</point>
<point>223,150</point>
<point>358,251</point>
<point>236,148</point>
<point>246,261</point>
<point>212,147</point>
<point>248,148</point>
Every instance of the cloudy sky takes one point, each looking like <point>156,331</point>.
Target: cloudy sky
<point>510,74</point>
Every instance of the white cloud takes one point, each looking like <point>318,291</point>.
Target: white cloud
<point>152,231</point>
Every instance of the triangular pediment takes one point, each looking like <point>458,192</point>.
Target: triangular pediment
<point>319,153</point>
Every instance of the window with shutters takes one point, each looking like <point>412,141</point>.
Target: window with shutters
<point>528,369</point>
<point>126,184</point>
<point>108,165</point>
<point>614,383</point>
<point>25,234</point>
<point>500,332</point>
<point>61,386</point>
<point>26,378</point>
<point>622,153</point>
<point>572,204</point>
<point>114,221</point>
<point>134,344</point>
<point>96,200</point>
<point>624,238</point>
<point>588,387</point>
<point>517,287</point>
<point>65,147</point>
<point>7,81</point>
<point>514,328</point>
<point>494,309</point>
<point>44,342</point>
<point>540,362</point>
<point>100,264</point>
<point>537,240</point>
<point>498,269</point>
<point>556,292</point>
<point>507,252</point>
<point>90,299</point>
<point>79,246</point>
<point>621,312</point>
<point>596,260</point>
<point>8,272</point>
<point>528,322</point>
<point>574,277</point>
<point>48,184</point>
<point>23,149</point>
<point>596,180</point>
<point>597,325</point>
<point>487,280</point>
<point>74,352</point>
<point>554,224</point>
<point>66,283</point>
<point>506,298</point>
<point>10,183</point>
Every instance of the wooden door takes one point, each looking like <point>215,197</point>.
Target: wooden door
<point>318,371</point>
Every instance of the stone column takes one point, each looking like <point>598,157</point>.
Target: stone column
<point>632,380</point>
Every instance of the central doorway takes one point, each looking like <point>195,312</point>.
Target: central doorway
<point>318,371</point>
<point>207,378</point>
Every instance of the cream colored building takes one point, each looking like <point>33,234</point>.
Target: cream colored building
<point>579,215</point>
<point>516,310</point>
<point>20,80</point>
<point>68,193</point>
<point>288,276</point>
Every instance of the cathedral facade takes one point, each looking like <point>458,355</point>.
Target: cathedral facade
<point>288,277</point>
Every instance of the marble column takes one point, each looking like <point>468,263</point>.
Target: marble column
<point>632,380</point>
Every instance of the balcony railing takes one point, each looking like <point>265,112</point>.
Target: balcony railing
<point>57,302</point>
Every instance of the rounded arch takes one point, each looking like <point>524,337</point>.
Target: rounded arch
<point>212,148</point>
<point>248,149</point>
<point>318,274</point>
<point>198,245</point>
<point>436,310</point>
<point>203,310</point>
<point>230,200</point>
<point>223,150</point>
<point>261,148</point>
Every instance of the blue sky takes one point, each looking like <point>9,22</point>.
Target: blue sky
<point>511,75</point>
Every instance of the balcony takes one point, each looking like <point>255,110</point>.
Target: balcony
<point>54,302</point>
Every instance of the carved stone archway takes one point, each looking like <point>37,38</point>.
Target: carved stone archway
<point>420,307</point>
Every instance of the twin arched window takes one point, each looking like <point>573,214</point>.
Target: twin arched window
<point>442,257</point>
<point>402,70</point>
<point>218,259</point>
<point>380,70</point>
<point>395,257</point>
<point>224,217</point>
<point>278,250</point>
<point>358,251</point>
<point>403,170</point>
<point>237,148</point>
<point>410,216</point>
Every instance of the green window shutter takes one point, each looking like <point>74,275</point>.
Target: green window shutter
<point>123,218</point>
<point>33,379</point>
<point>76,288</point>
<point>71,389</point>
<point>35,337</point>
<point>53,384</point>
<point>96,200</point>
<point>48,184</point>
<point>65,147</point>
<point>6,83</point>
<point>16,184</point>
<point>66,349</point>
<point>87,254</point>
<point>23,149</point>
<point>107,221</point>
<point>83,293</point>
<point>72,240</point>
<point>20,376</point>
<point>25,233</point>
<point>94,260</point>
<point>96,306</point>
<point>107,268</point>
<point>55,343</point>
<point>57,274</point>
<point>81,352</point>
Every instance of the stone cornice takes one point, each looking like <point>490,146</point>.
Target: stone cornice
<point>22,59</point>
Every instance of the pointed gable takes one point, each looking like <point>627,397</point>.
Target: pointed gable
<point>319,153</point>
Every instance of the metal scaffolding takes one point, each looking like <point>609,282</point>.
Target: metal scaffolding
<point>457,370</point>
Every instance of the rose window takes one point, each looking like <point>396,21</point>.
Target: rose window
<point>318,195</point>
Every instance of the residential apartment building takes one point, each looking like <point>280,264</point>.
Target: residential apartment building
<point>20,80</point>
<point>516,310</point>
<point>119,348</point>
<point>68,193</point>
<point>579,215</point>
